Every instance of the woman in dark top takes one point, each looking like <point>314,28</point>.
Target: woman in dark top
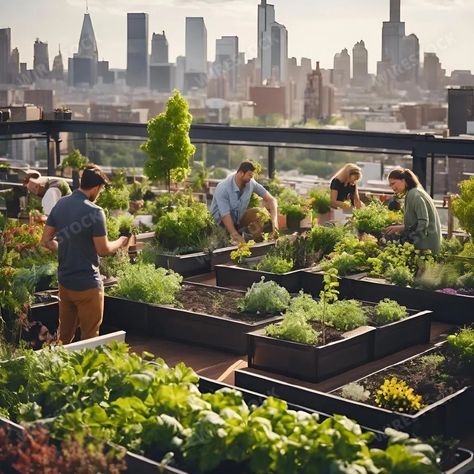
<point>344,192</point>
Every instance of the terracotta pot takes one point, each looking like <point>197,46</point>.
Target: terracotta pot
<point>325,218</point>
<point>282,221</point>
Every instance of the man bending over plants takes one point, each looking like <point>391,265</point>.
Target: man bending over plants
<point>76,229</point>
<point>229,206</point>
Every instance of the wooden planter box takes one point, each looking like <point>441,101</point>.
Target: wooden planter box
<point>130,316</point>
<point>312,283</point>
<point>235,276</point>
<point>451,309</point>
<point>222,256</point>
<point>46,313</point>
<point>452,416</point>
<point>307,362</point>
<point>203,329</point>
<point>187,265</point>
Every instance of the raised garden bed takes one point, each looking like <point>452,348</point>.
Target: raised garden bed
<point>187,265</point>
<point>208,316</point>
<point>221,256</point>
<point>447,308</point>
<point>308,362</point>
<point>449,416</point>
<point>239,277</point>
<point>130,316</point>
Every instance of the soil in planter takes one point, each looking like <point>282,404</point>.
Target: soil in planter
<point>431,383</point>
<point>216,302</point>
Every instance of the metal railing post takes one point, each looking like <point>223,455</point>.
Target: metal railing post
<point>420,165</point>
<point>271,162</point>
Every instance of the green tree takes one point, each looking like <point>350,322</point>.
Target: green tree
<point>169,147</point>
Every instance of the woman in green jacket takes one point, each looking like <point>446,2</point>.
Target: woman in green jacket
<point>421,225</point>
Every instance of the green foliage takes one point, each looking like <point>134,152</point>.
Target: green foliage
<point>275,264</point>
<point>372,219</point>
<point>138,189</point>
<point>199,176</point>
<point>295,328</point>
<point>169,147</point>
<point>295,248</point>
<point>320,200</point>
<point>450,248</point>
<point>431,363</point>
<point>324,239</point>
<point>463,206</point>
<point>356,392</point>
<point>400,276</point>
<point>184,228</point>
<point>292,205</point>
<point>242,251</point>
<point>327,295</point>
<point>466,281</point>
<point>437,275</point>
<point>147,284</point>
<point>388,311</point>
<point>344,263</point>
<point>167,202</point>
<point>346,315</point>
<point>461,345</point>
<point>396,395</point>
<point>113,198</point>
<point>75,160</point>
<point>111,265</point>
<point>265,297</point>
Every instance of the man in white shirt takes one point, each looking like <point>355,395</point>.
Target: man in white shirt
<point>49,189</point>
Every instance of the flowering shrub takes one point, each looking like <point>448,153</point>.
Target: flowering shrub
<point>396,395</point>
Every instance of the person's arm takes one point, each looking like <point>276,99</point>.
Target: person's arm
<point>50,199</point>
<point>47,239</point>
<point>357,202</point>
<point>229,225</point>
<point>272,205</point>
<point>338,204</point>
<point>422,221</point>
<point>104,247</point>
<point>223,205</point>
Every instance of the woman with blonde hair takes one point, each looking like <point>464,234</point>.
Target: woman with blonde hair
<point>421,225</point>
<point>344,192</point>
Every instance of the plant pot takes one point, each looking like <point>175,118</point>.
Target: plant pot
<point>237,277</point>
<point>222,256</point>
<point>293,222</point>
<point>127,315</point>
<point>67,115</point>
<point>5,115</point>
<point>58,115</point>
<point>282,221</point>
<point>308,362</point>
<point>325,218</point>
<point>187,265</point>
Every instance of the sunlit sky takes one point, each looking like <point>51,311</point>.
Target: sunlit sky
<point>316,28</point>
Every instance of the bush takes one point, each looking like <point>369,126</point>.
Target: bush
<point>113,198</point>
<point>400,276</point>
<point>167,202</point>
<point>295,328</point>
<point>275,264</point>
<point>396,395</point>
<point>463,206</point>
<point>461,345</point>
<point>265,297</point>
<point>320,200</point>
<point>437,275</point>
<point>185,228</point>
<point>323,239</point>
<point>388,311</point>
<point>356,392</point>
<point>371,219</point>
<point>147,284</point>
<point>111,265</point>
<point>344,263</point>
<point>346,315</point>
<point>466,281</point>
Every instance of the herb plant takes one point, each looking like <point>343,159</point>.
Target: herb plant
<point>356,392</point>
<point>396,395</point>
<point>275,264</point>
<point>320,200</point>
<point>265,297</point>
<point>295,328</point>
<point>372,219</point>
<point>114,198</point>
<point>323,239</point>
<point>242,251</point>
<point>461,346</point>
<point>346,315</point>
<point>463,206</point>
<point>388,311</point>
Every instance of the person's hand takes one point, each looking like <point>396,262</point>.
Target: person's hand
<point>125,241</point>
<point>236,238</point>
<point>346,205</point>
<point>394,229</point>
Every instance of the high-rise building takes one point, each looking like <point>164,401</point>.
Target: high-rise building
<point>409,59</point>
<point>159,49</point>
<point>313,96</point>
<point>41,59</point>
<point>104,72</point>
<point>195,76</point>
<point>227,61</point>
<point>5,53</point>
<point>272,45</point>
<point>82,67</point>
<point>57,71</point>
<point>360,64</point>
<point>137,49</point>
<point>14,66</point>
<point>180,71</point>
<point>342,69</point>
<point>40,98</point>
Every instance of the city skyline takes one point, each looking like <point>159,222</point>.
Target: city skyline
<point>426,18</point>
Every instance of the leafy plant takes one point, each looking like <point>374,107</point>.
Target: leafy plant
<point>292,205</point>
<point>265,297</point>
<point>327,295</point>
<point>199,176</point>
<point>75,160</point>
<point>138,189</point>
<point>145,283</point>
<point>372,219</point>
<point>431,363</point>
<point>463,206</point>
<point>344,263</point>
<point>396,395</point>
<point>388,311</point>
<point>113,198</point>
<point>169,147</point>
<point>167,202</point>
<point>356,392</point>
<point>324,239</point>
<point>437,275</point>
<point>242,251</point>
<point>320,200</point>
<point>275,264</point>
<point>450,248</point>
<point>294,327</point>
<point>466,281</point>
<point>461,345</point>
<point>400,276</point>
<point>111,265</point>
<point>184,228</point>
<point>346,315</point>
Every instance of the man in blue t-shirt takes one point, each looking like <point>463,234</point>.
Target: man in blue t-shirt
<point>76,229</point>
<point>229,206</point>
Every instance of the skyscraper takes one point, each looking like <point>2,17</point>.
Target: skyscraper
<point>41,59</point>
<point>409,59</point>
<point>227,61</point>
<point>5,53</point>
<point>342,69</point>
<point>313,95</point>
<point>14,66</point>
<point>196,54</point>
<point>82,67</point>
<point>137,49</point>
<point>432,72</point>
<point>360,64</point>
<point>159,48</point>
<point>272,44</point>
<point>57,71</point>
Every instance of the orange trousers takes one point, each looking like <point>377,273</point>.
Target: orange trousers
<point>83,309</point>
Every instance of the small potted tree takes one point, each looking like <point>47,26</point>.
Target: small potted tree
<point>169,147</point>
<point>76,161</point>
<point>321,204</point>
<point>293,207</point>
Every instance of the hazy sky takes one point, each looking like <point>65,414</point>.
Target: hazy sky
<point>316,28</point>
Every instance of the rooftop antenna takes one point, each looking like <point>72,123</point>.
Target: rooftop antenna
<point>87,6</point>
